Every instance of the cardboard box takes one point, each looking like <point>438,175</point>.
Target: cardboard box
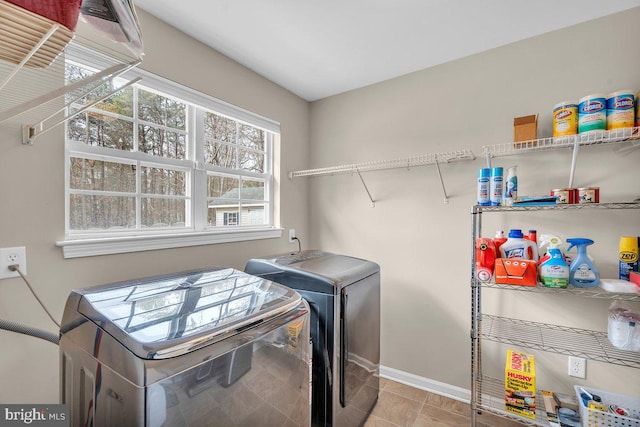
<point>525,129</point>
<point>515,271</point>
<point>520,384</point>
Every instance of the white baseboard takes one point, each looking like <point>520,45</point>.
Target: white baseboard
<point>433,386</point>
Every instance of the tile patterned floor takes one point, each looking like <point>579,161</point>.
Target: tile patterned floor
<point>404,406</point>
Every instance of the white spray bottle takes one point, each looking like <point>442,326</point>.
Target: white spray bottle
<point>510,187</point>
<point>553,269</point>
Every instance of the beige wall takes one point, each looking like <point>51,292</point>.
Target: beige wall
<point>32,208</point>
<point>422,244</point>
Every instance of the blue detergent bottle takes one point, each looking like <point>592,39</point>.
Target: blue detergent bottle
<point>583,272</point>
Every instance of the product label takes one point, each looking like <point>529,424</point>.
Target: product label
<point>565,121</point>
<point>627,267</point>
<point>584,274</point>
<point>592,115</point>
<point>518,252</point>
<point>496,190</point>
<point>483,192</point>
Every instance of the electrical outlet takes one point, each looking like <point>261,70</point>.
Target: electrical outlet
<point>577,367</point>
<point>12,256</point>
<point>292,234</point>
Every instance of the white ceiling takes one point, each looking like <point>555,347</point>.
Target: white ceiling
<point>320,48</point>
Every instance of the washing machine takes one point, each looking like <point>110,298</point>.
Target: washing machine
<point>209,347</point>
<point>343,293</point>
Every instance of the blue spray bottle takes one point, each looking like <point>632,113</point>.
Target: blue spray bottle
<point>583,272</point>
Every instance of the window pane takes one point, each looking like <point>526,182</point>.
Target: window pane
<point>101,212</point>
<point>251,137</point>
<point>162,181</point>
<point>252,161</point>
<point>220,128</point>
<point>161,143</point>
<point>89,174</point>
<point>119,103</point>
<point>100,130</point>
<point>254,215</point>
<point>160,213</point>
<point>252,189</point>
<point>219,154</point>
<point>161,110</point>
<point>223,187</point>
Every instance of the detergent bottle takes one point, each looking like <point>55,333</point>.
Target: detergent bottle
<point>498,241</point>
<point>583,272</point>
<point>485,258</point>
<point>517,246</point>
<point>554,272</point>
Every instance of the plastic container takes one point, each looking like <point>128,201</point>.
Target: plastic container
<point>623,329</point>
<point>592,113</point>
<point>485,259</point>
<point>582,273</point>
<point>565,119</point>
<point>592,418</point>
<point>510,186</point>
<point>495,186</point>
<point>554,273</point>
<point>484,175</point>
<point>620,109</point>
<point>628,256</point>
<point>518,247</point>
<point>499,241</point>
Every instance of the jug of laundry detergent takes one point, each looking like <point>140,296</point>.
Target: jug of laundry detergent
<point>583,272</point>
<point>517,246</point>
<point>485,258</point>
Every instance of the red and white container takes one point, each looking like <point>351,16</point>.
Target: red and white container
<point>588,195</point>
<point>564,196</point>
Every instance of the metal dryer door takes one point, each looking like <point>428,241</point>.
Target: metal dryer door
<point>360,338</point>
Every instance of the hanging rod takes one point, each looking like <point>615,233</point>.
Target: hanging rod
<point>30,132</point>
<point>428,159</point>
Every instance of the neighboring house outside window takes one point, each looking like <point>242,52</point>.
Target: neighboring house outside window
<point>157,159</point>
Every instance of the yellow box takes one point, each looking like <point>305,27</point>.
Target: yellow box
<point>520,384</point>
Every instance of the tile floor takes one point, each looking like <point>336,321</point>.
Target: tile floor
<point>401,405</point>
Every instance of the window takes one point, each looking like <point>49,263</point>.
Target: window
<point>156,158</point>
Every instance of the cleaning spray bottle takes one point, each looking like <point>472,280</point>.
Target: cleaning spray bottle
<point>548,241</point>
<point>554,272</point>
<point>510,187</point>
<point>583,272</point>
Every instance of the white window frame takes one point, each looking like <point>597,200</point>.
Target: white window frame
<point>81,244</point>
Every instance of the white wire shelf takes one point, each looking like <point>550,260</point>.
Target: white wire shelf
<point>585,139</point>
<point>558,207</point>
<point>409,162</point>
<point>33,51</point>
<point>565,340</point>
<point>404,163</point>
<point>596,292</point>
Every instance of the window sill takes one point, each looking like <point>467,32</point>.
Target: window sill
<point>118,245</point>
